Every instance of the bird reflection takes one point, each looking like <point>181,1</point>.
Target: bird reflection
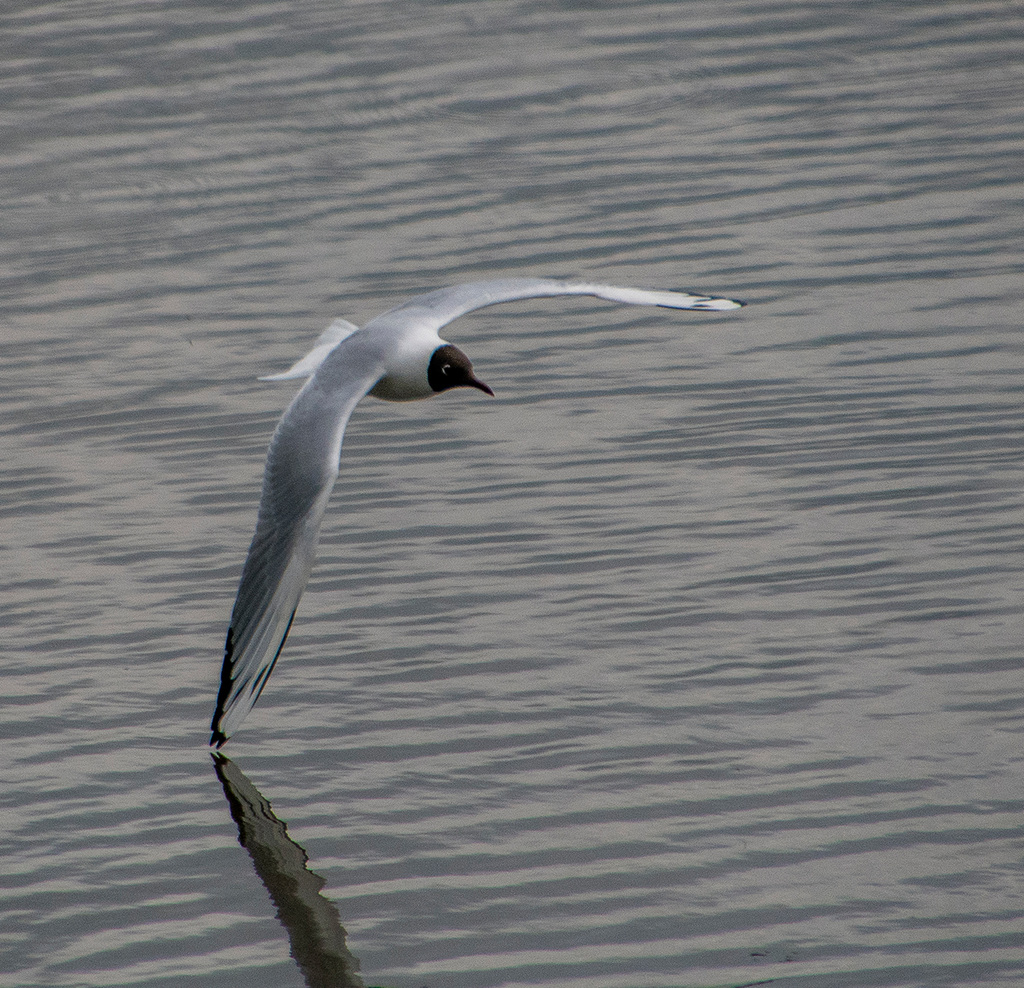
<point>313,924</point>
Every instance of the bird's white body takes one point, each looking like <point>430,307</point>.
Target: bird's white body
<point>398,356</point>
<point>407,360</point>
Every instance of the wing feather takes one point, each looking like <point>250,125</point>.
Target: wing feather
<point>302,465</point>
<point>438,308</point>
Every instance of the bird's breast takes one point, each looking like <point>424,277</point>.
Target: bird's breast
<point>396,387</point>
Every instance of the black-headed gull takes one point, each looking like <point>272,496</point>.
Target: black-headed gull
<point>399,357</point>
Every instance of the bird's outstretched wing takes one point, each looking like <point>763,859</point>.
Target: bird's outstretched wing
<point>438,308</point>
<point>302,465</point>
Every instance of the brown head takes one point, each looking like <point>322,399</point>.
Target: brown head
<point>450,368</point>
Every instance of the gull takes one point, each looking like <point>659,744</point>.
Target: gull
<point>397,356</point>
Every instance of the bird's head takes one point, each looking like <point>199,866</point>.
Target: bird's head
<point>450,368</point>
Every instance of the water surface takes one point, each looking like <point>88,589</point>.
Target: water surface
<point>692,659</point>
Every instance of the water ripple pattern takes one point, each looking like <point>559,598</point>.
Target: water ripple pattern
<point>693,659</point>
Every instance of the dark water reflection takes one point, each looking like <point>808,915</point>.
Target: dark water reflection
<point>312,922</point>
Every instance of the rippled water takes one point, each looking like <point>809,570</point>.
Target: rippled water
<point>693,659</point>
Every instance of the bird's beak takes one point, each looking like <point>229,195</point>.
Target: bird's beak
<point>475,382</point>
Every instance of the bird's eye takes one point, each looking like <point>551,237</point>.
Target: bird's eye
<point>445,368</point>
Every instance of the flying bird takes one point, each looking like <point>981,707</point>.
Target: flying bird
<point>398,356</point>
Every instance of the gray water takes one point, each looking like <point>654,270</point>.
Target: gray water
<point>692,659</point>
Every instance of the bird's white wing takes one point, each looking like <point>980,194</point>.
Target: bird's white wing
<point>302,465</point>
<point>436,309</point>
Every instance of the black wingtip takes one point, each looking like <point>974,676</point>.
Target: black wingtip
<point>736,304</point>
<point>217,736</point>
